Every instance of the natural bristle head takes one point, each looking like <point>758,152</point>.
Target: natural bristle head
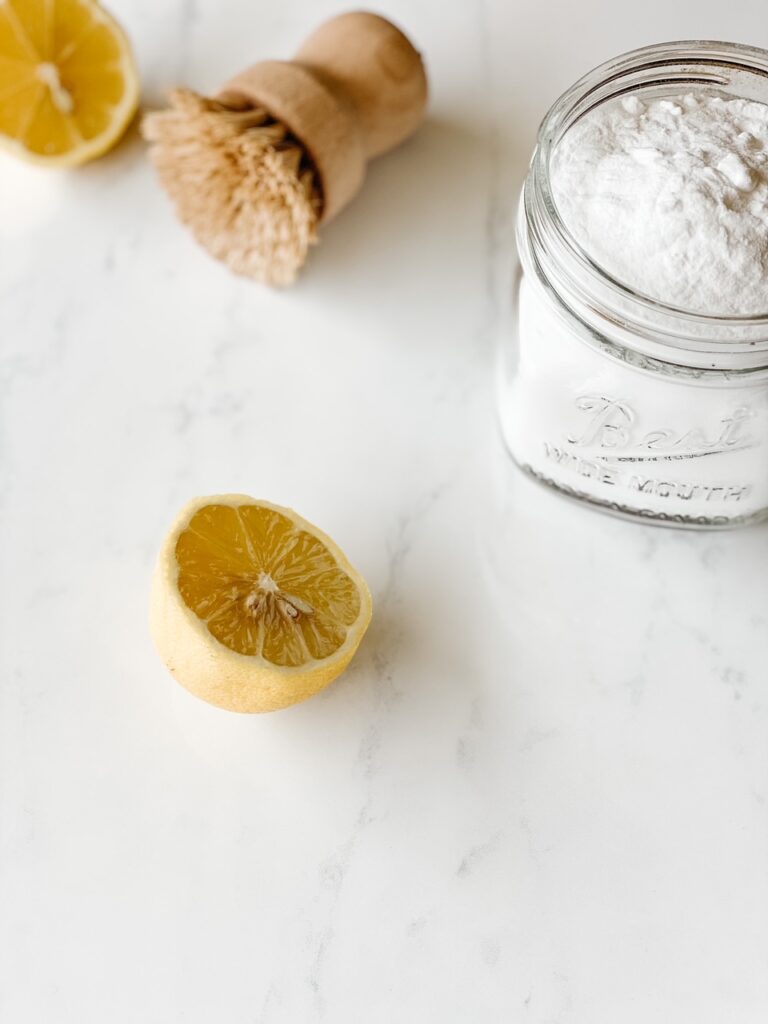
<point>240,182</point>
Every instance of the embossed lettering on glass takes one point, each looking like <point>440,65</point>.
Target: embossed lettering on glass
<point>608,396</point>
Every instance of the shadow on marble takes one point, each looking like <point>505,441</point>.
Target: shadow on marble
<point>586,594</point>
<point>418,234</point>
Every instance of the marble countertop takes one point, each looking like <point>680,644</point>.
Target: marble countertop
<point>539,794</point>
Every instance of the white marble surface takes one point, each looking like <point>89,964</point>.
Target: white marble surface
<point>539,795</point>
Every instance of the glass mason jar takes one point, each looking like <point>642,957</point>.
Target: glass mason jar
<point>607,395</point>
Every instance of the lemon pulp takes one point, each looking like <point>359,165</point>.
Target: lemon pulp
<point>265,586</point>
<point>68,86</point>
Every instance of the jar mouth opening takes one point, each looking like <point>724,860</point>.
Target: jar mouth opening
<point>686,62</point>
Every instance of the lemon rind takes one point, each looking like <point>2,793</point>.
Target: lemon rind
<point>213,671</point>
<point>122,116</point>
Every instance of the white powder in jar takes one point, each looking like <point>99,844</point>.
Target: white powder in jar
<point>669,195</point>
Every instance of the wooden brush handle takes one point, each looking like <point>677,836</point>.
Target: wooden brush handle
<point>369,61</point>
<point>356,89</point>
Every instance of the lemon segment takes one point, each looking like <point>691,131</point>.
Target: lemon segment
<point>68,82</point>
<point>253,608</point>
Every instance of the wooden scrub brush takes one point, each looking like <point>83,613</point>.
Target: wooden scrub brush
<point>283,147</point>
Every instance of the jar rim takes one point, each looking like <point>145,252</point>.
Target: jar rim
<point>684,61</point>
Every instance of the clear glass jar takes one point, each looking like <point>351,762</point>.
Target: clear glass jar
<point>608,396</point>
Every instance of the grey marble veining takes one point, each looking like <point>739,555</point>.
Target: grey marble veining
<point>539,793</point>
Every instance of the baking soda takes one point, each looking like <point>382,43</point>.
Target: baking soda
<point>669,195</point>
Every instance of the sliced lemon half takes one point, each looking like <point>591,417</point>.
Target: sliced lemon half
<point>68,82</point>
<point>253,608</point>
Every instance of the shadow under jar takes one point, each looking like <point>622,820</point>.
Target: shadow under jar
<point>626,403</point>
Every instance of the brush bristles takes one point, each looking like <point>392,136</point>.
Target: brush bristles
<point>240,182</point>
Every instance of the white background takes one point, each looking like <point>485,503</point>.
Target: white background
<point>539,794</point>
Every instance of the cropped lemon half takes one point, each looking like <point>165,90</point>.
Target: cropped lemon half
<point>253,608</point>
<point>68,83</point>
